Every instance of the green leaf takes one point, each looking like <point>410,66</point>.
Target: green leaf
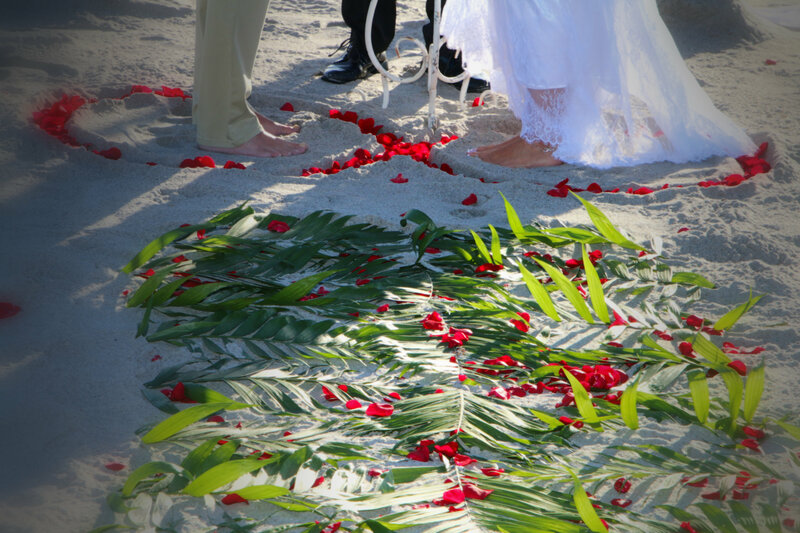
<point>481,247</point>
<point>497,257</point>
<point>513,220</point>
<point>595,288</point>
<point>292,293</point>
<point>731,317</point>
<point>743,516</point>
<point>794,431</point>
<point>754,388</point>
<point>539,294</point>
<point>377,526</point>
<point>569,290</point>
<point>698,386</point>
<point>148,288</point>
<point>690,278</point>
<point>158,244</point>
<point>221,475</point>
<point>582,400</point>
<point>262,492</point>
<point>709,350</point>
<point>178,421</point>
<point>735,391</point>
<point>293,463</point>
<point>584,506</point>
<point>717,517</point>
<point>406,475</point>
<point>627,406</point>
<point>605,227</point>
<point>145,471</point>
<point>195,295</point>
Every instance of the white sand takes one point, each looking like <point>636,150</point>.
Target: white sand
<point>70,367</point>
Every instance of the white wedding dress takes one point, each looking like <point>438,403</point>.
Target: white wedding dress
<point>600,79</point>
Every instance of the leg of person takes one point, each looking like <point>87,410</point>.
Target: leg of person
<point>520,151</point>
<point>355,63</point>
<point>227,40</point>
<point>449,64</point>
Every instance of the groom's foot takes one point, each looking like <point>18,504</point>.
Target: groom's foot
<point>276,128</point>
<point>354,65</point>
<point>518,153</point>
<point>262,145</point>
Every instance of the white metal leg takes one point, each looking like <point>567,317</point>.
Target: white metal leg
<point>430,62</point>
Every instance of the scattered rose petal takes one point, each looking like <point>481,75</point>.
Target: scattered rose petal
<point>753,432</point>
<point>353,404</point>
<point>234,164</point>
<point>278,226</point>
<point>621,502</point>
<point>738,366</point>
<point>751,444</point>
<point>470,200</point>
<point>233,498</point>
<point>382,309</point>
<point>7,309</point>
<point>215,418</point>
<point>287,107</point>
<point>380,409</point>
<point>115,467</point>
<point>622,485</point>
<point>770,62</point>
<point>399,179</point>
<point>492,472</point>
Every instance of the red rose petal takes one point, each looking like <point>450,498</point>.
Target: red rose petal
<point>399,179</point>
<point>7,309</point>
<point>470,200</point>
<point>115,467</point>
<point>233,498</point>
<point>287,107</point>
<point>278,226</point>
<point>380,409</point>
<point>353,404</point>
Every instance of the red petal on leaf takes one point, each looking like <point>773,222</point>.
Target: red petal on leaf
<point>753,432</point>
<point>7,309</point>
<point>716,495</point>
<point>693,321</point>
<point>686,349</point>
<point>395,395</point>
<point>215,418</point>
<point>739,367</point>
<point>751,443</point>
<point>699,484</point>
<point>686,526</point>
<point>450,449</point>
<point>521,325</point>
<point>618,321</point>
<point>115,467</point>
<point>492,472</point>
<point>353,404</point>
<point>463,460</point>
<point>470,200</point>
<point>421,454</point>
<point>380,409</point>
<point>452,496</point>
<point>382,309</point>
<point>342,387</point>
<point>319,481</point>
<point>232,498</point>
<point>622,485</point>
<point>287,107</point>
<point>374,472</point>
<point>278,226</point>
<point>476,493</point>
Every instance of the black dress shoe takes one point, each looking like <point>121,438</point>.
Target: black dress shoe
<point>353,65</point>
<point>450,66</point>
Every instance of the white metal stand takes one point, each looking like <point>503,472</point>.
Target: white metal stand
<point>430,62</point>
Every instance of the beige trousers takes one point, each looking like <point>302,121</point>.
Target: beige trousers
<point>227,37</point>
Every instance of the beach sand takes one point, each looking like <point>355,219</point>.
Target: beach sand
<point>70,367</point>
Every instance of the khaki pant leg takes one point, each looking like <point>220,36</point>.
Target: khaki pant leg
<point>227,38</point>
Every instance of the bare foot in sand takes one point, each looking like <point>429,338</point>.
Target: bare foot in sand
<point>490,147</point>
<point>276,128</point>
<point>518,153</point>
<point>262,145</point>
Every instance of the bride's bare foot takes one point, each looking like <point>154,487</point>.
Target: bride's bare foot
<point>276,128</point>
<point>518,153</point>
<point>262,145</point>
<point>489,147</point>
